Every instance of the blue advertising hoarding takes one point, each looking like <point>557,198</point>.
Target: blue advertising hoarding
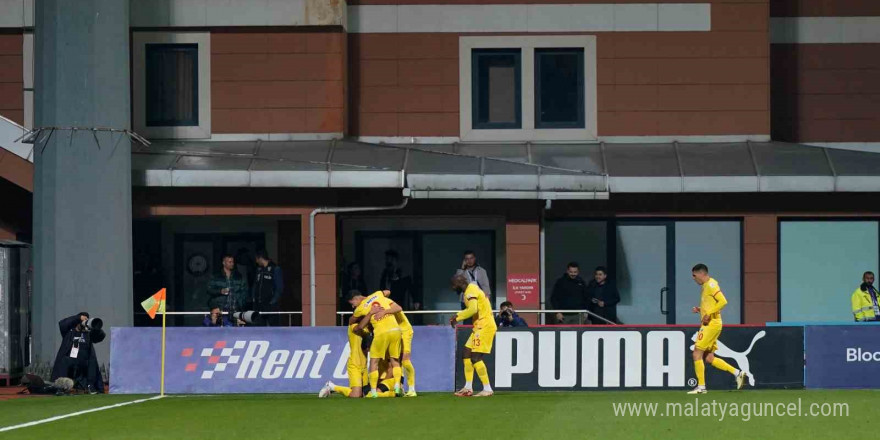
<point>257,360</point>
<point>842,356</point>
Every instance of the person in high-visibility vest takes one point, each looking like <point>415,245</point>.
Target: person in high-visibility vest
<point>864,300</point>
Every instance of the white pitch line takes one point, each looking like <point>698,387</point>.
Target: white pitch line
<point>78,413</point>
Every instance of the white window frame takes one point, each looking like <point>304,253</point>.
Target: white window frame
<point>139,105</point>
<point>528,132</point>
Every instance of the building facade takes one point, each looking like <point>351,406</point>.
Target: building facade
<point>645,137</point>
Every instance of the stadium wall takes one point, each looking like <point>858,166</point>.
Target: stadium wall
<point>649,83</point>
<point>12,76</point>
<point>826,72</point>
<point>278,82</point>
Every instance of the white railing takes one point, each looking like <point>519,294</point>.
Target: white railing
<point>342,315</point>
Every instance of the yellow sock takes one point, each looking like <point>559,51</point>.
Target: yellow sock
<point>721,365</point>
<point>366,376</point>
<point>398,375</point>
<point>410,374</point>
<point>483,374</point>
<point>468,372</point>
<point>700,370</point>
<point>345,391</point>
<point>389,393</point>
<point>374,379</point>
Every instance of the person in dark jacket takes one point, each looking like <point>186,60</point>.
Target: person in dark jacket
<point>227,289</point>
<point>604,296</point>
<point>507,316</point>
<point>396,281</point>
<point>570,293</point>
<point>268,288</point>
<point>352,279</point>
<point>76,357</point>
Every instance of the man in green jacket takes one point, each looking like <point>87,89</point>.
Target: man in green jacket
<point>227,288</point>
<point>864,300</point>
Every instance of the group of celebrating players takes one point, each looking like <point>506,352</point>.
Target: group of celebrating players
<point>379,327</point>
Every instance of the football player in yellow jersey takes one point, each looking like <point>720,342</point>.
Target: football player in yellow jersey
<point>712,300</point>
<point>480,341</point>
<point>406,332</point>
<point>386,338</point>
<point>357,344</point>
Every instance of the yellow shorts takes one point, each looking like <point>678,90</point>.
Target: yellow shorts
<point>388,342</point>
<point>481,340</point>
<point>355,376</point>
<point>407,337</point>
<point>707,338</point>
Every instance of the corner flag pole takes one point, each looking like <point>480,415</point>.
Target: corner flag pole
<point>162,383</point>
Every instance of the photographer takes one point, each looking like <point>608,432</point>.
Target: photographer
<point>216,319</point>
<point>507,317</point>
<point>76,357</point>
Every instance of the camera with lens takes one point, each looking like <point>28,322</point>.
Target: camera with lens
<point>249,317</point>
<point>94,327</point>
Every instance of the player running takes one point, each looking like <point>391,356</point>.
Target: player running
<point>406,332</point>
<point>712,300</point>
<point>386,338</point>
<point>480,341</point>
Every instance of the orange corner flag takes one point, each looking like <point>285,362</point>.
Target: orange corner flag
<point>155,304</point>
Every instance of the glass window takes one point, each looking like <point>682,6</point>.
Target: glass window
<point>172,92</point>
<point>559,88</point>
<point>821,264</point>
<point>496,85</point>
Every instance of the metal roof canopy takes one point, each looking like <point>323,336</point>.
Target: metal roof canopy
<point>508,171</point>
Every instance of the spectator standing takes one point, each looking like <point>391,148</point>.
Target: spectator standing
<point>604,296</point>
<point>570,293</point>
<point>393,279</point>
<point>475,273</point>
<point>507,317</point>
<point>227,289</point>
<point>865,306</point>
<point>268,287</point>
<point>353,279</point>
<point>216,319</point>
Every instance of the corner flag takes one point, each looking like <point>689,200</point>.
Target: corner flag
<point>155,304</point>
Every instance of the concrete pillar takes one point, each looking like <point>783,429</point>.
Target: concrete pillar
<point>82,180</point>
<point>325,270</point>
<point>761,292</point>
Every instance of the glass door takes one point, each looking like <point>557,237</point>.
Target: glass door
<point>644,269</point>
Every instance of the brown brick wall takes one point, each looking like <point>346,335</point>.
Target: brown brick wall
<point>507,2</point>
<point>826,92</point>
<point>649,83</point>
<point>761,267</point>
<point>11,78</point>
<point>277,82</point>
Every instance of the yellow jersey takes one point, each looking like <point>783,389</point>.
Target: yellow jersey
<point>478,307</point>
<point>388,322</point>
<point>364,307</point>
<point>403,322</point>
<point>712,300</point>
<point>356,357</point>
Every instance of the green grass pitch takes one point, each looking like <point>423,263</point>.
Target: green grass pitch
<point>519,416</point>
